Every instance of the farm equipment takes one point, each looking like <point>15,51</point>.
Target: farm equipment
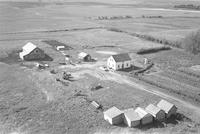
<point>67,76</point>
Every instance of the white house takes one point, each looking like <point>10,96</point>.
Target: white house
<point>113,115</point>
<point>146,118</point>
<point>119,61</point>
<point>131,118</point>
<point>156,112</point>
<point>31,52</point>
<point>169,108</point>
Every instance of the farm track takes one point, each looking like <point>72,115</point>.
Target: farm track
<point>54,31</point>
<point>137,84</point>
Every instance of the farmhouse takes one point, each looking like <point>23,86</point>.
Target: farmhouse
<point>169,108</point>
<point>156,112</point>
<point>113,115</point>
<point>146,118</point>
<point>119,61</point>
<point>131,118</point>
<point>31,52</point>
<point>84,56</point>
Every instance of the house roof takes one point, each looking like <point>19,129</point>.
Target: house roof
<point>82,54</point>
<point>28,48</point>
<point>165,105</point>
<point>153,109</point>
<point>113,112</point>
<point>121,57</point>
<point>132,115</point>
<point>141,112</point>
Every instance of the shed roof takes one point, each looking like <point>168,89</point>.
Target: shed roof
<point>141,112</point>
<point>121,57</point>
<point>165,105</point>
<point>153,109</point>
<point>82,54</point>
<point>132,115</point>
<point>113,112</point>
<point>28,48</point>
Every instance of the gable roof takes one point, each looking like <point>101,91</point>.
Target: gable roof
<point>165,105</point>
<point>132,115</point>
<point>113,112</point>
<point>29,47</point>
<point>153,109</point>
<point>82,55</point>
<point>141,112</point>
<point>121,57</point>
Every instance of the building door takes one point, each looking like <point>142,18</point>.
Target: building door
<point>122,66</point>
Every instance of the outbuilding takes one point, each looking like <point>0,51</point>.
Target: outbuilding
<point>31,52</point>
<point>113,115</point>
<point>84,56</point>
<point>156,112</point>
<point>119,61</point>
<point>131,118</point>
<point>146,117</point>
<point>169,108</point>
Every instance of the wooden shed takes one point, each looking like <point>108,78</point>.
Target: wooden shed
<point>146,117</point>
<point>169,108</point>
<point>84,56</point>
<point>131,118</point>
<point>113,115</point>
<point>31,52</point>
<point>156,112</point>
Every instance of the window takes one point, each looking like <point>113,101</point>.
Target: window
<point>118,66</point>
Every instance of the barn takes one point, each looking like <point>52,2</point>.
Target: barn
<point>113,115</point>
<point>169,108</point>
<point>31,52</point>
<point>84,56</point>
<point>156,112</point>
<point>146,118</point>
<point>131,118</point>
<point>119,61</point>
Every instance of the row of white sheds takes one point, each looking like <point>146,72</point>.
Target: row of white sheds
<point>141,116</point>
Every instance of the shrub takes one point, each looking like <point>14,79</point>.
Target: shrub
<point>192,42</point>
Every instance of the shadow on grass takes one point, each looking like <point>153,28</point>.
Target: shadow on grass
<point>131,69</point>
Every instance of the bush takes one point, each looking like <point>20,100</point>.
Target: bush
<point>192,42</point>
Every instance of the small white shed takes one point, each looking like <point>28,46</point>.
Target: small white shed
<point>84,56</point>
<point>156,112</point>
<point>169,108</point>
<point>146,118</point>
<point>60,48</point>
<point>113,115</point>
<point>131,118</point>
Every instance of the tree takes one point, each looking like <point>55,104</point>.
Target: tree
<point>192,42</point>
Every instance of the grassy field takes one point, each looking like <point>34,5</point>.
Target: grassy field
<point>35,101</point>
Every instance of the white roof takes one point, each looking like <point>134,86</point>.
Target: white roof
<point>113,112</point>
<point>141,112</point>
<point>132,115</point>
<point>165,105</point>
<point>153,109</point>
<point>29,47</point>
<point>82,54</point>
